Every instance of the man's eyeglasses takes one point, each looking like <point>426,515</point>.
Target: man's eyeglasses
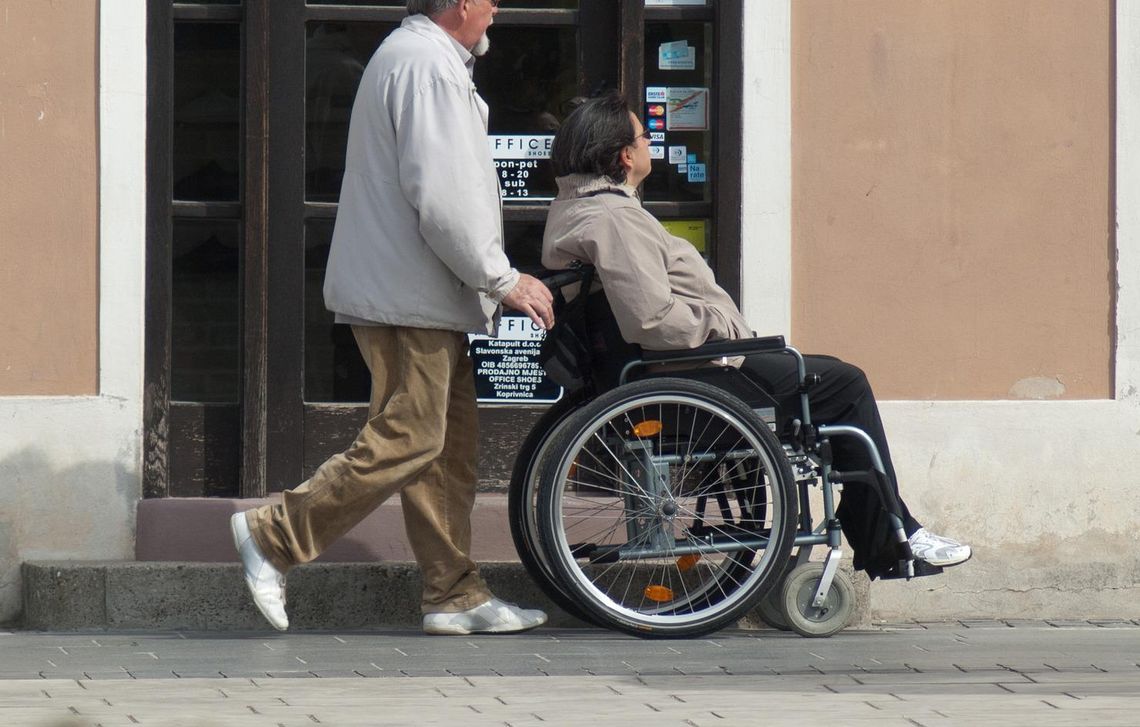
<point>494,3</point>
<point>647,135</point>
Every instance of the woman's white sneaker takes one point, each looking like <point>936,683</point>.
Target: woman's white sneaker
<point>266,583</point>
<point>492,617</point>
<point>937,550</point>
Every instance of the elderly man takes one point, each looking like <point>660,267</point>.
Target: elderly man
<point>412,272</point>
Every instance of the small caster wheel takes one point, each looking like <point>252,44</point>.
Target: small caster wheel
<point>798,593</point>
<point>769,611</point>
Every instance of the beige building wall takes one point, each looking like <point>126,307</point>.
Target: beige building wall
<point>951,194</point>
<point>48,197</point>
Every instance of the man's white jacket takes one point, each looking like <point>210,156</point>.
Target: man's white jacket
<point>418,238</point>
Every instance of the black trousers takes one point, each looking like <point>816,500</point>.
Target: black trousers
<point>843,396</point>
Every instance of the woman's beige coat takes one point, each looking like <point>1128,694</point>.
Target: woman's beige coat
<point>662,291</point>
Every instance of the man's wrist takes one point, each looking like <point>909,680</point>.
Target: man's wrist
<point>507,286</point>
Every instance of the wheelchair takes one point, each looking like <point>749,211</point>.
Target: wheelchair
<point>655,497</point>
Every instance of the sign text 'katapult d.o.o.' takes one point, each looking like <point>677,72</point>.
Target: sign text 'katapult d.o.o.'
<point>507,369</point>
<point>522,163</point>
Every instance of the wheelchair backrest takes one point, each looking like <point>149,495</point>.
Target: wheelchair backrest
<point>585,347</point>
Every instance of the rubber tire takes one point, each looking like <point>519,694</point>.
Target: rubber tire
<point>627,395</point>
<point>796,596</point>
<point>520,498</point>
<point>769,609</point>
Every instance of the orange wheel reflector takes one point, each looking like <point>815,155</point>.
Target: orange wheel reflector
<point>573,470</point>
<point>647,428</point>
<point>660,594</point>
<point>685,562</point>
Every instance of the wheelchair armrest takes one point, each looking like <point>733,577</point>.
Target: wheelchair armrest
<point>737,347</point>
<point>555,279</point>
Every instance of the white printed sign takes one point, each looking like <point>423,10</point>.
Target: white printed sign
<point>522,166</point>
<point>520,147</point>
<point>687,109</point>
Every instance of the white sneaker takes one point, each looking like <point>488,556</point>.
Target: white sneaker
<point>493,617</point>
<point>266,583</point>
<point>937,550</point>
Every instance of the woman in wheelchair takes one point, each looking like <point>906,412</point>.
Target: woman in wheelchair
<point>664,297</point>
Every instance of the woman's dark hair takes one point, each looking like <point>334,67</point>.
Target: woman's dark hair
<point>591,138</point>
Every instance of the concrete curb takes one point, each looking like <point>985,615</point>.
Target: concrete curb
<point>171,596</point>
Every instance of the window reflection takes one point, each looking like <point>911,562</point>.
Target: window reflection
<point>335,57</point>
<point>205,301</point>
<point>532,4</point>
<point>529,80</point>
<point>334,369</point>
<point>207,89</point>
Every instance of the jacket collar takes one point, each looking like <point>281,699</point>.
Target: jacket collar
<point>573,186</point>
<point>423,25</point>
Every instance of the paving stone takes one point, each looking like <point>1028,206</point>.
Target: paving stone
<point>874,678</point>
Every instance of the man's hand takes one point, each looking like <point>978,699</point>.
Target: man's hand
<point>530,296</point>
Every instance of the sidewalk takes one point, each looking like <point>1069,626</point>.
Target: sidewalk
<point>963,673</point>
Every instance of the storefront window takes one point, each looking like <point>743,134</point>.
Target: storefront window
<point>679,98</point>
<point>335,57</point>
<point>207,111</point>
<point>205,335</point>
<point>248,146</point>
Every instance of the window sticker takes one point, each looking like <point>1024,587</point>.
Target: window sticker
<point>696,172</point>
<point>687,109</point>
<point>657,137</point>
<point>522,164</point>
<point>655,94</point>
<point>677,55</point>
<point>507,369</point>
<point>678,154</point>
<point>692,230</point>
<point>656,152</point>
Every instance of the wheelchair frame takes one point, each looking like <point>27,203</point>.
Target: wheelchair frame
<point>812,600</point>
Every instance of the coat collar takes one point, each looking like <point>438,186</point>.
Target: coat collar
<point>423,25</point>
<point>573,186</point>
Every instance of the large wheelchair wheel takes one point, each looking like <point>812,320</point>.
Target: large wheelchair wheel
<point>666,508</point>
<point>522,499</point>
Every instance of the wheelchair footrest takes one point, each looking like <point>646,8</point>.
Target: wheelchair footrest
<point>921,568</point>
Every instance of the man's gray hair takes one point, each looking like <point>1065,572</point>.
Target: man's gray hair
<point>430,7</point>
